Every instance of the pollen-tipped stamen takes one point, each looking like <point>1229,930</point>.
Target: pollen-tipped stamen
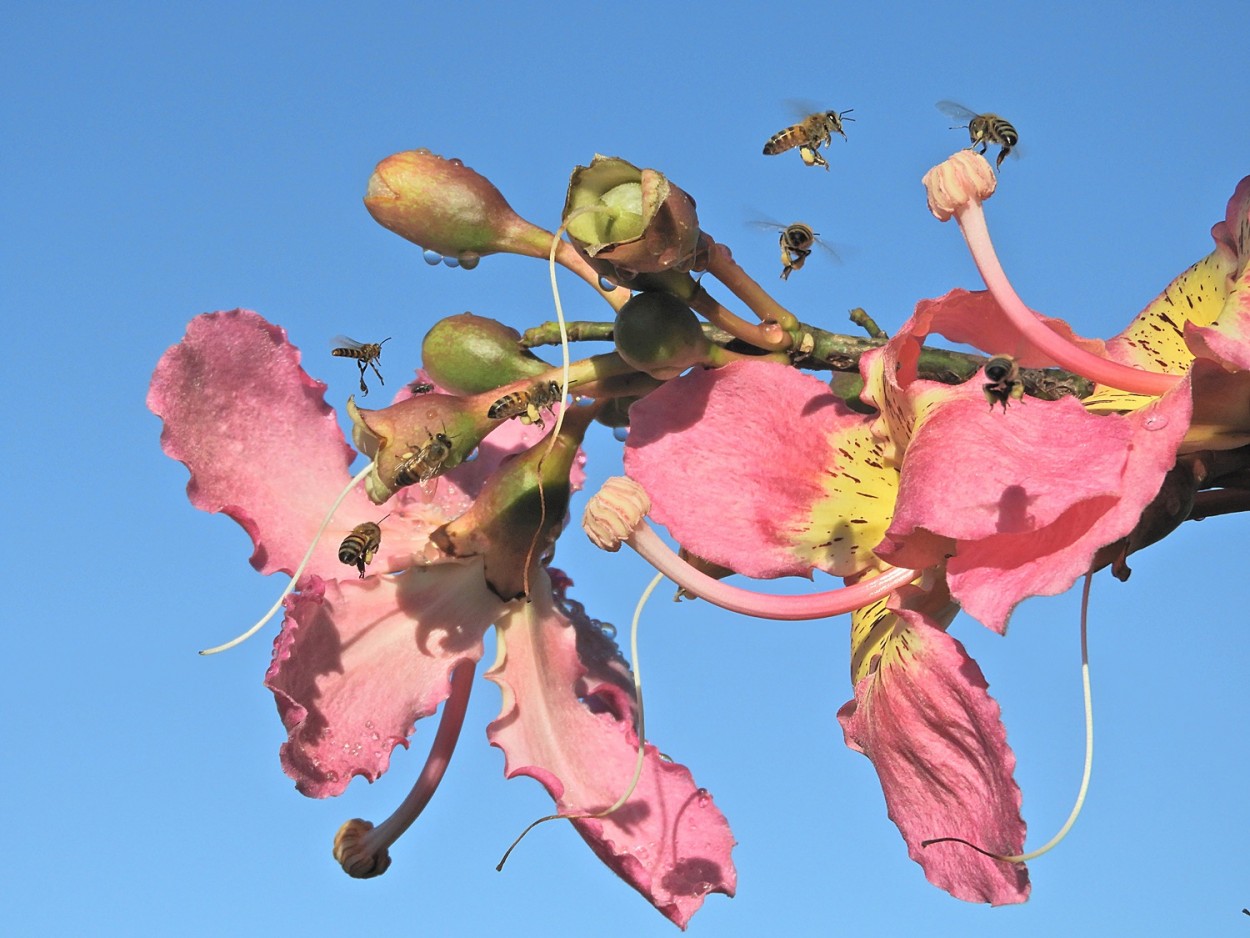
<point>954,191</point>
<point>640,730</point>
<point>361,848</point>
<point>616,515</point>
<point>1089,758</point>
<point>298,570</point>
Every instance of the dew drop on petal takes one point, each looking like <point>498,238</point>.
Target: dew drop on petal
<point>456,161</point>
<point>1155,422</point>
<point>621,433</point>
<point>582,401</point>
<point>606,285</point>
<point>703,797</point>
<point>665,757</point>
<point>473,455</point>
<point>451,262</point>
<point>469,259</point>
<point>431,257</point>
<point>608,629</point>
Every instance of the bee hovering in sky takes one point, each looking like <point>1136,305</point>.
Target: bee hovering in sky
<point>1004,382</point>
<point>983,129</point>
<point>809,135</point>
<point>527,404</point>
<point>358,548</point>
<point>797,241</point>
<point>367,354</point>
<point>421,464</point>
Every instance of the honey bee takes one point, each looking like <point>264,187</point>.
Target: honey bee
<point>358,548</point>
<point>367,354</point>
<point>1004,383</point>
<point>809,135</point>
<point>527,404</point>
<point>797,241</point>
<point>983,129</point>
<point>425,462</point>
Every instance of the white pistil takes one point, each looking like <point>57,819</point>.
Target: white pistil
<point>298,570</point>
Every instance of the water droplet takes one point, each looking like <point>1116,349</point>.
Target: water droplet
<point>469,259</point>
<point>702,888</point>
<point>606,284</point>
<point>1155,422</point>
<point>665,757</point>
<point>608,629</point>
<point>451,262</point>
<point>621,433</point>
<point>456,161</point>
<point>431,257</point>
<point>374,737</point>
<point>703,797</point>
<point>473,455</point>
<point>582,401</point>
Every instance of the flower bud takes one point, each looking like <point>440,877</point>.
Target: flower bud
<point>520,510</point>
<point>614,512</point>
<point>416,439</point>
<point>628,221</point>
<point>357,854</point>
<point>657,334</point>
<point>953,184</point>
<point>469,354</point>
<point>446,207</point>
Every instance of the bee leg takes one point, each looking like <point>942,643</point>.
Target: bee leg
<point>360,565</point>
<point>1002,154</point>
<point>785,272</point>
<point>364,388</point>
<point>374,366</point>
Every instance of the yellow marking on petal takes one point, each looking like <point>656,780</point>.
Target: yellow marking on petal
<point>860,487</point>
<point>880,640</point>
<point>1155,339</point>
<point>1107,400</point>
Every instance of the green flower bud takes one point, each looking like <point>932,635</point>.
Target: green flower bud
<point>657,334</point>
<point>469,354</point>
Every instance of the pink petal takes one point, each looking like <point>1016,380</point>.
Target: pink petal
<point>1023,499</point>
<point>759,468</point>
<point>261,442</point>
<point>934,736</point>
<point>567,721</point>
<point>359,662</point>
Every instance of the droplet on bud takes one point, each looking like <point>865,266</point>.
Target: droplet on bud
<point>620,433</point>
<point>469,259</point>
<point>451,262</point>
<point>431,257</point>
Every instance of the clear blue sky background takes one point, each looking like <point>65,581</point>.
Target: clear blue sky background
<point>161,160</point>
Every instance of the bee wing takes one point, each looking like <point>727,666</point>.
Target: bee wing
<point>957,111</point>
<point>803,107</point>
<point>342,341</point>
<point>827,248</point>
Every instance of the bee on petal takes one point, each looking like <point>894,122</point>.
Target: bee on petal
<point>1004,382</point>
<point>421,464</point>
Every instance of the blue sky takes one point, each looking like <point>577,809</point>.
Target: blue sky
<point>164,160</point>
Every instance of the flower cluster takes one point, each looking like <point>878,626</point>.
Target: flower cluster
<point>472,469</point>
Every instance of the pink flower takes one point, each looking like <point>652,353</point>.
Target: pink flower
<point>358,662</point>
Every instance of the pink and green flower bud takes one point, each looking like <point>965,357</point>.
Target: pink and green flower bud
<point>628,221</point>
<point>657,334</point>
<point>446,207</point>
<point>416,439</point>
<point>470,354</point>
<point>520,511</point>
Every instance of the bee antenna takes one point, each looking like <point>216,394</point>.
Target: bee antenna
<point>843,116</point>
<point>384,341</point>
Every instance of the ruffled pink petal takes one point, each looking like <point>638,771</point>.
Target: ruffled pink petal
<point>759,468</point>
<point>567,722</point>
<point>261,442</point>
<point>359,662</point>
<point>1023,499</point>
<point>935,737</point>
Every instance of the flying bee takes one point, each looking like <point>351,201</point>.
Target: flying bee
<point>424,462</point>
<point>358,548</point>
<point>1004,383</point>
<point>809,135</point>
<point>797,241</point>
<point>983,129</point>
<point>367,355</point>
<point>527,404</point>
